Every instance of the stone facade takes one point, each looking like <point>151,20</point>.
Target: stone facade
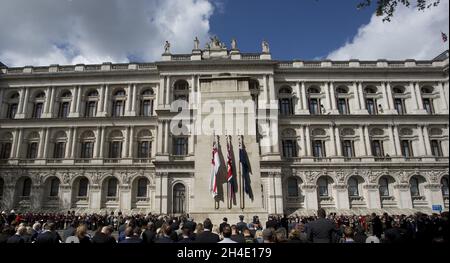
<point>353,136</point>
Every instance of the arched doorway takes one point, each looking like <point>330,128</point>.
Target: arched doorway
<point>179,199</point>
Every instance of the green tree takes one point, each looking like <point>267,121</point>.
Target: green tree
<point>387,8</point>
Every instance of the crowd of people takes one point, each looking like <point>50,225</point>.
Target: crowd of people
<point>52,228</point>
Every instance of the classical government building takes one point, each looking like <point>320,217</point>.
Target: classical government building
<point>350,136</point>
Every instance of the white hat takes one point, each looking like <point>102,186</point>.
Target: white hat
<point>13,212</point>
<point>372,239</point>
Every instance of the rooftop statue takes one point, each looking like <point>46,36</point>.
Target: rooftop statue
<point>167,47</point>
<point>233,44</point>
<point>196,43</point>
<point>265,47</point>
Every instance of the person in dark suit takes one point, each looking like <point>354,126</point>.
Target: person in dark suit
<point>271,223</point>
<point>149,235</point>
<point>207,236</point>
<point>132,236</point>
<point>322,229</point>
<point>241,225</point>
<point>104,236</point>
<point>49,235</point>
<point>191,225</point>
<point>186,235</point>
<point>223,224</point>
<point>377,226</point>
<point>17,238</point>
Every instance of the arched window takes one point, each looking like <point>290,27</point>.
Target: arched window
<point>112,187</point>
<point>87,145</point>
<point>427,99</point>
<point>91,104</point>
<point>314,100</point>
<point>444,182</point>
<point>142,187</point>
<point>6,140</point>
<point>33,145</point>
<point>144,144</point>
<point>292,187</point>
<point>38,105</point>
<point>60,145</point>
<point>26,190</point>
<point>353,187</point>
<point>147,102</point>
<point>181,90</point>
<point>399,99</point>
<point>83,185</point>
<point>179,197</point>
<point>54,187</point>
<point>13,105</point>
<point>414,187</point>
<point>323,183</point>
<point>64,104</point>
<point>384,187</point>
<point>342,100</point>
<point>285,101</point>
<point>118,107</point>
<point>115,144</point>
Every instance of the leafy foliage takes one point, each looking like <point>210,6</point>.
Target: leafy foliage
<point>387,8</point>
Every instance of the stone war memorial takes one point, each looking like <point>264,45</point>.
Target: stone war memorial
<point>219,133</point>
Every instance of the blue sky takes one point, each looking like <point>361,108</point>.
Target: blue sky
<point>44,32</point>
<point>304,29</point>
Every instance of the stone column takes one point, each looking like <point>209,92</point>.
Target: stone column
<point>168,87</point>
<point>332,141</point>
<point>422,148</point>
<point>334,109</point>
<point>385,98</point>
<point>102,143</point>
<point>126,149</point>
<point>419,97</point>
<point>74,144</point>
<point>362,141</point>
<point>78,102</point>
<point>338,141</point>
<point>357,98</point>
<point>21,100</point>
<point>129,95</point>
<point>298,106</point>
<point>403,196</point>
<point>308,141</point>
<point>101,100</point>
<point>131,143</point>
<point>46,143</point>
<point>271,88</point>
<point>305,105</point>
<point>310,192</point>
<point>48,95</point>
<point>326,88</point>
<point>390,98</point>
<point>41,143</point>
<point>51,107</point>
<point>69,144</point>
<point>97,143</point>
<point>392,140</point>
<point>426,138</point>
<point>106,110</point>
<point>159,134</point>
<point>372,196</point>
<point>166,137</point>
<point>397,140</point>
<point>367,137</point>
<point>362,100</point>
<point>275,194</point>
<point>413,96</point>
<point>23,113</point>
<point>302,143</point>
<point>160,92</point>
<point>73,102</point>
<point>133,101</point>
<point>125,197</point>
<point>8,195</point>
<point>95,196</point>
<point>161,193</point>
<point>191,144</point>
<point>65,195</point>
<point>17,143</point>
<point>341,196</point>
<point>266,90</point>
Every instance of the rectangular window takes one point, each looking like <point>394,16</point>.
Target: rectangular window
<point>12,110</point>
<point>5,150</point>
<point>347,149</point>
<point>314,106</point>
<point>343,106</point>
<point>59,150</point>
<point>371,106</point>
<point>147,108</point>
<point>428,105</point>
<point>180,146</point>
<point>63,110</point>
<point>87,150</point>
<point>407,149</point>
<point>115,150</point>
<point>91,109</point>
<point>285,106</point>
<point>436,149</point>
<point>32,150</point>
<point>54,187</point>
<point>37,111</point>
<point>118,108</point>
<point>289,148</point>
<point>399,105</point>
<point>144,150</point>
<point>319,149</point>
<point>377,148</point>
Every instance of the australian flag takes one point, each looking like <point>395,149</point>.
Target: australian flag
<point>243,158</point>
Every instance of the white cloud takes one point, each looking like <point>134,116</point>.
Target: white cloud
<point>43,32</point>
<point>411,34</point>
